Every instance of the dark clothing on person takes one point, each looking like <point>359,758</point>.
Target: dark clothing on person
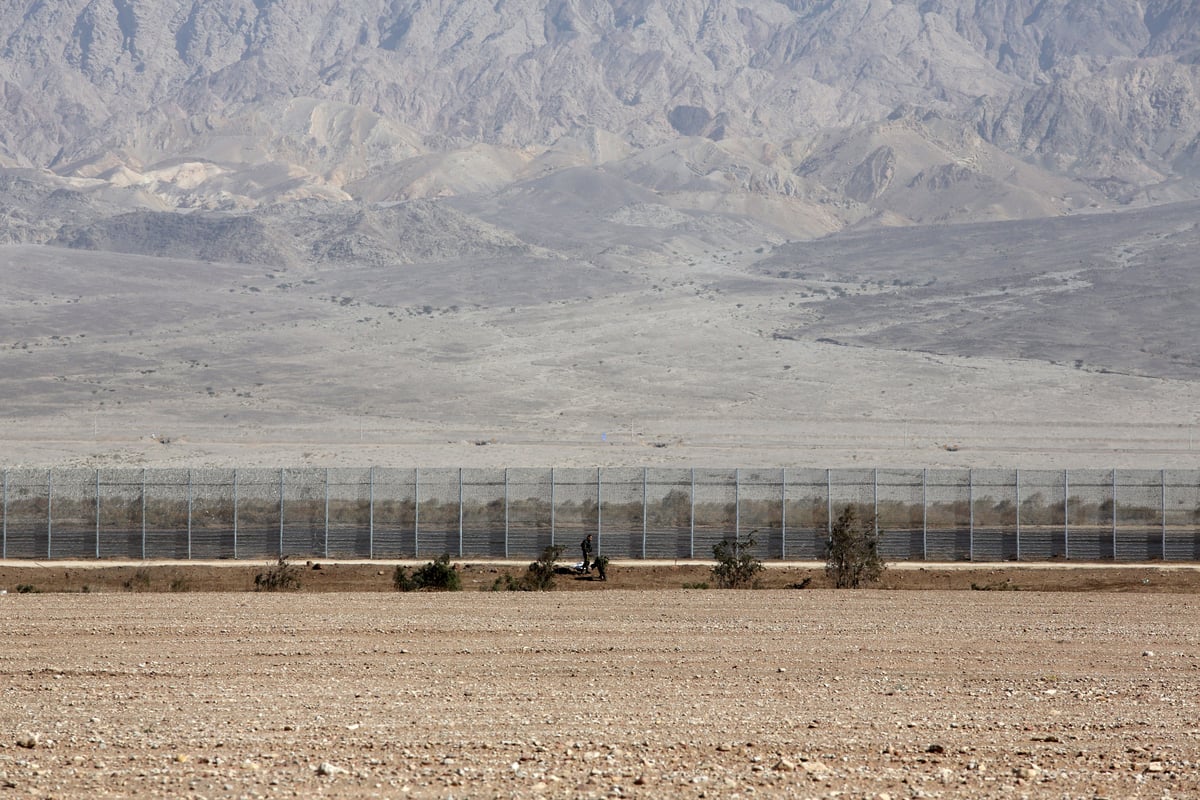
<point>586,546</point>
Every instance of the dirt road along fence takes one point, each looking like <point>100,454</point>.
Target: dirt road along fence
<point>920,514</point>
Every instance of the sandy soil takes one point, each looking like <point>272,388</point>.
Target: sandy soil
<point>611,694</point>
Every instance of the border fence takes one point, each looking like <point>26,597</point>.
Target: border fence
<point>657,513</point>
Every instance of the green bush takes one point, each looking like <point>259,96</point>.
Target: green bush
<point>852,553</point>
<point>736,568</point>
<point>601,565</point>
<point>506,583</point>
<point>436,576</point>
<point>284,576</point>
<point>538,577</point>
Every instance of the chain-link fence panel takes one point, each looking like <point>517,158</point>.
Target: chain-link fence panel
<point>385,523</point>
<point>167,513</point>
<point>948,515</point>
<point>213,513</point>
<point>854,489</point>
<point>994,514</point>
<point>622,524</point>
<point>669,513</point>
<point>576,510</point>
<point>1139,504</point>
<point>484,518</point>
<point>304,511</point>
<point>439,524</point>
<point>988,515</point>
<point>72,531</point>
<point>901,514</point>
<point>1040,514</point>
<point>347,512</point>
<point>760,510</point>
<point>716,509</point>
<point>806,514</point>
<point>121,527</point>
<point>259,532</point>
<point>1182,504</point>
<point>27,503</point>
<point>1090,525</point>
<point>529,513</point>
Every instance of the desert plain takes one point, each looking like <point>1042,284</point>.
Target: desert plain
<point>616,693</point>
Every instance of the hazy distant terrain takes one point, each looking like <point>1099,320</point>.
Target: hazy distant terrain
<point>600,232</point>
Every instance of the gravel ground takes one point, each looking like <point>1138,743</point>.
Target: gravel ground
<point>770,693</point>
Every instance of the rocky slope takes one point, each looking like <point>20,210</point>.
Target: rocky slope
<point>807,117</point>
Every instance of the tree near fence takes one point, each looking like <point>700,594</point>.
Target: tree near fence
<point>737,567</point>
<point>853,551</point>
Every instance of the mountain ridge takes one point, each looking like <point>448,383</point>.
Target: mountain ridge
<point>234,105</point>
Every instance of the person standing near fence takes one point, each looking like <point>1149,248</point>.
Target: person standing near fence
<point>586,546</point>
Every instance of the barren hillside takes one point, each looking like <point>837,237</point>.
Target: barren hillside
<point>459,232</point>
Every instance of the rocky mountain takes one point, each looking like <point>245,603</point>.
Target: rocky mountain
<point>123,119</point>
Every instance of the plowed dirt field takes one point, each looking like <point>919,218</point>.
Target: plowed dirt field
<point>614,693</point>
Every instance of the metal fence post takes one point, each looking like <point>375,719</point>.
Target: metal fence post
<point>599,508</point>
<point>1114,512</point>
<point>460,512</point>
<point>1162,479</point>
<point>925,514</point>
<point>97,476</point>
<point>737,509</point>
<point>692,519</point>
<point>1017,489</point>
<point>1066,514</point>
<point>970,515</point>
<point>875,500</point>
<point>783,513</point>
<point>143,513</point>
<point>828,506</point>
<point>645,497</point>
<point>235,513</point>
<point>49,513</point>
<point>326,548</point>
<point>281,474</point>
<point>189,515</point>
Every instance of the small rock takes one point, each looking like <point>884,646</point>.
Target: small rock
<point>28,741</point>
<point>325,768</point>
<point>783,765</point>
<point>935,748</point>
<point>1028,773</point>
<point>1148,654</point>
